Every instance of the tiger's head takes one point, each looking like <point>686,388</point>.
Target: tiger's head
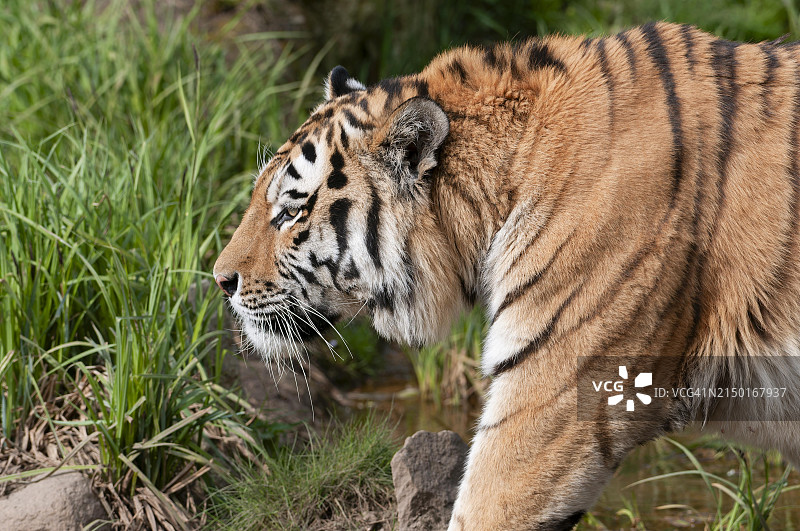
<point>342,218</point>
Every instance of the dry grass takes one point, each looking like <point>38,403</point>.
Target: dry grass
<point>60,427</point>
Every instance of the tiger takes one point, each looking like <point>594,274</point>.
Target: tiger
<point>629,195</point>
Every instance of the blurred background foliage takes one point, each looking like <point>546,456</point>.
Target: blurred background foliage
<point>376,39</point>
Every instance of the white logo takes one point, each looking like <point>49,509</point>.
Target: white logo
<point>644,379</point>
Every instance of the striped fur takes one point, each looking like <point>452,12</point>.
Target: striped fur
<point>635,194</point>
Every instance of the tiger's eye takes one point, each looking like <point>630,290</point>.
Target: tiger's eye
<point>292,211</point>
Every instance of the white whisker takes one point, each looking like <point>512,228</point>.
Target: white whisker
<point>306,308</point>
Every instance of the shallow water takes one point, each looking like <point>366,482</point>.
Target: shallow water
<point>680,502</point>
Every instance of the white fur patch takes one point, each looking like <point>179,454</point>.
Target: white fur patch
<point>522,225</point>
<point>502,342</point>
<point>354,84</point>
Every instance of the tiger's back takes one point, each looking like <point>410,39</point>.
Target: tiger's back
<point>634,195</point>
<point>669,150</point>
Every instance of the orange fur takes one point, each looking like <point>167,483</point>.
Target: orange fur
<point>632,195</point>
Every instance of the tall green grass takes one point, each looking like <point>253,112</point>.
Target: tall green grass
<point>126,143</point>
<point>449,372</point>
<point>349,466</point>
<point>741,504</point>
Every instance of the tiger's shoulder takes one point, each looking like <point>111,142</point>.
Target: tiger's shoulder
<point>474,80</point>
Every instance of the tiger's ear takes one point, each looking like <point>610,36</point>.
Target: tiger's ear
<point>409,141</point>
<point>339,83</point>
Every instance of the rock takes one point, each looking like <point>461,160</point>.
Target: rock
<point>426,473</point>
<point>62,502</point>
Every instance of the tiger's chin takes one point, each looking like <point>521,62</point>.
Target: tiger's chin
<point>272,345</point>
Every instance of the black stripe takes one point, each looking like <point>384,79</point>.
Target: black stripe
<point>658,54</point>
<point>609,295</point>
<point>724,63</point>
<point>688,42</point>
<point>697,307</point>
<point>772,64</point>
<point>337,178</point>
<point>628,270</point>
<point>538,342</point>
<point>309,276</point>
<point>343,139</point>
<point>694,265</point>
<point>457,69</point>
<point>532,241</point>
<point>352,271</point>
<point>468,294</point>
<point>354,122</point>
<point>337,160</point>
<point>541,57</point>
<point>501,168</point>
<point>314,118</point>
<point>384,299</point>
<point>293,276</point>
<point>601,56</point>
<point>301,237</point>
<point>309,206</point>
<point>373,228</point>
<point>298,136</point>
<point>411,276</point>
<point>496,424</point>
<point>292,172</point>
<point>422,88</point>
<point>697,249</point>
<point>339,211</point>
<point>629,52</point>
<point>330,265</point>
<point>515,294</point>
<point>295,194</point>
<point>757,322</point>
<point>491,59</point>
<point>794,174</point>
<point>645,300</point>
<point>393,88</point>
<point>309,152</point>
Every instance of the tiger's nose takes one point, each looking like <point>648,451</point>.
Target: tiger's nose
<point>228,284</point>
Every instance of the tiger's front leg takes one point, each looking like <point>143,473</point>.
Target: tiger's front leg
<point>533,464</point>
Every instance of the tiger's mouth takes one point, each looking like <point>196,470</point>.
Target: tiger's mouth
<point>299,327</point>
<point>283,332</point>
